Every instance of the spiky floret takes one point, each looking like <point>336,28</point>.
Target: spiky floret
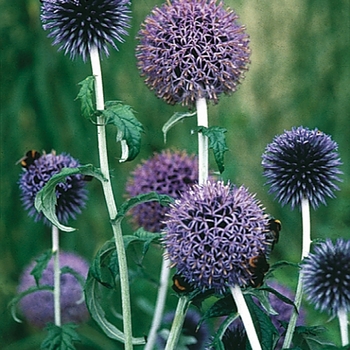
<point>211,232</point>
<point>78,25</point>
<point>169,172</point>
<point>302,163</point>
<point>71,194</point>
<point>326,276</point>
<point>192,49</point>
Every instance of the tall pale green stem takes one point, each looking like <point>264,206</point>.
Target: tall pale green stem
<point>178,321</point>
<point>246,317</point>
<point>203,152</point>
<point>57,274</point>
<point>111,206</point>
<point>158,312</point>
<point>306,222</point>
<point>343,324</point>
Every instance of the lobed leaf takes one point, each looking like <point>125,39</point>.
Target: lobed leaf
<point>41,264</point>
<point>13,303</point>
<point>163,199</point>
<point>85,96</point>
<point>60,337</point>
<point>92,297</point>
<point>267,333</point>
<point>174,119</point>
<point>217,142</point>
<point>129,128</point>
<point>46,200</point>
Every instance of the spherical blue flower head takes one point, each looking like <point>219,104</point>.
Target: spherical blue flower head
<point>326,276</point>
<point>211,233</point>
<point>168,172</point>
<point>302,163</point>
<point>38,307</point>
<point>71,194</point>
<point>192,49</point>
<point>78,25</point>
<point>235,337</point>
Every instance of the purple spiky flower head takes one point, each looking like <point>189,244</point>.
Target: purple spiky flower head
<point>78,25</point>
<point>326,276</point>
<point>192,49</point>
<point>38,307</point>
<point>71,194</point>
<point>211,232</point>
<point>169,172</point>
<point>302,163</point>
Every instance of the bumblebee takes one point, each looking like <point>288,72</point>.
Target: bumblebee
<point>257,267</point>
<point>274,227</point>
<point>29,158</point>
<point>180,285</point>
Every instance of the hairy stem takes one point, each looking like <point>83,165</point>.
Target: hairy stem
<point>158,312</point>
<point>203,156</point>
<point>178,321</point>
<point>343,324</point>
<point>109,197</point>
<point>57,274</point>
<point>305,212</point>
<point>245,316</point>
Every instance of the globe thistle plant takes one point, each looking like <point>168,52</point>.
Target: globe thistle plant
<point>211,233</point>
<point>192,49</point>
<point>38,307</point>
<point>326,276</point>
<point>71,194</point>
<point>78,25</point>
<point>302,163</point>
<point>168,172</point>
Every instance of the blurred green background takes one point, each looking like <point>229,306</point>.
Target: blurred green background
<point>299,75</point>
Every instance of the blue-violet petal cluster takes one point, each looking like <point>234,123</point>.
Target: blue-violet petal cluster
<point>169,172</point>
<point>326,276</point>
<point>302,163</point>
<point>38,307</point>
<point>211,233</point>
<point>192,49</point>
<point>71,194</point>
<point>78,25</point>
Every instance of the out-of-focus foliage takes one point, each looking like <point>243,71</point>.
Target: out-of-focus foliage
<point>299,75</point>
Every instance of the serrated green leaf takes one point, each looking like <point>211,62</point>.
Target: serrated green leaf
<point>60,338</point>
<point>163,199</point>
<point>222,307</point>
<point>216,343</point>
<point>174,119</point>
<point>101,260</point>
<point>261,294</point>
<point>85,96</point>
<point>13,303</point>
<point>147,238</point>
<point>276,293</point>
<point>267,333</point>
<point>41,264</point>
<point>278,265</point>
<point>310,338</point>
<point>140,236</point>
<point>129,128</point>
<point>92,297</point>
<point>217,142</point>
<point>46,200</point>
